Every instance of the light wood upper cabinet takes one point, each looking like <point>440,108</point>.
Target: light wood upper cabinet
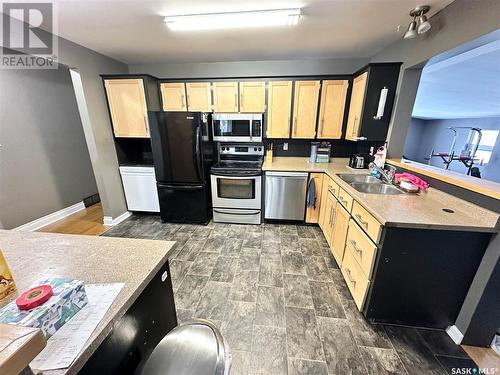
<point>199,97</point>
<point>312,213</point>
<point>127,105</point>
<point>225,97</point>
<point>339,233</point>
<point>279,105</point>
<point>252,97</point>
<point>173,96</point>
<point>305,109</point>
<point>331,112</point>
<point>356,106</point>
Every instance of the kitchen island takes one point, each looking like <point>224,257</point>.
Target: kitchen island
<point>407,259</point>
<point>145,303</point>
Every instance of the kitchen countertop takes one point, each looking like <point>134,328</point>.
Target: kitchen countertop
<point>424,210</point>
<point>88,258</point>
<point>478,185</point>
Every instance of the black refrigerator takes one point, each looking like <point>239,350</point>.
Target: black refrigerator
<point>183,153</point>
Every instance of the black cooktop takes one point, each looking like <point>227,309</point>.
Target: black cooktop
<point>236,166</point>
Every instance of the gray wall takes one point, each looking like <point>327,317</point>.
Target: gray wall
<point>413,140</point>
<point>44,160</point>
<point>250,68</point>
<point>95,120</point>
<point>459,22</point>
<point>426,135</point>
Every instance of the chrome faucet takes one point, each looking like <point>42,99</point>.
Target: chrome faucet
<point>386,175</point>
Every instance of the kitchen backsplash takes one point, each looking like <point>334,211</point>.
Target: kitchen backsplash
<point>340,147</point>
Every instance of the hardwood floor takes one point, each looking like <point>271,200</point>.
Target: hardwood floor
<point>484,357</point>
<point>88,221</point>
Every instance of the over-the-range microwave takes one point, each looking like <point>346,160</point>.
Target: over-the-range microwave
<point>237,127</point>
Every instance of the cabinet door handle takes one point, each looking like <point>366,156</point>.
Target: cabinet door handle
<point>241,100</point>
<point>355,247</point>
<point>349,276</point>
<point>236,101</point>
<point>332,216</point>
<point>343,201</point>
<point>320,130</point>
<point>183,101</point>
<point>361,221</point>
<point>145,123</point>
<point>354,126</point>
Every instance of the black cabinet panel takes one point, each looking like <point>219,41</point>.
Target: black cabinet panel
<point>379,76</point>
<point>422,276</point>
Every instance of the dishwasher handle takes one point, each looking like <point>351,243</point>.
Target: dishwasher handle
<point>287,174</point>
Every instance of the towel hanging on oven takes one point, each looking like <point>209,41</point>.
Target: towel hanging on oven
<point>311,194</point>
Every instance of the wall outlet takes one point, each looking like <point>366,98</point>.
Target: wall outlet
<point>285,146</point>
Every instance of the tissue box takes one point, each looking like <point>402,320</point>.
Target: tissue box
<point>69,297</point>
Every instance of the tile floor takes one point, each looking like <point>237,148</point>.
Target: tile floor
<point>280,300</point>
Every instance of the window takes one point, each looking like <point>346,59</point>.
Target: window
<point>488,141</point>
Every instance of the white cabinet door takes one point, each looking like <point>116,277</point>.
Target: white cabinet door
<point>139,184</point>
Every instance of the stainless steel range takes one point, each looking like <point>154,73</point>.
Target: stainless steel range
<point>237,184</point>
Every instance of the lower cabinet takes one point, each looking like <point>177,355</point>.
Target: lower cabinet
<point>313,213</point>
<point>339,234</point>
<point>356,281</point>
<point>323,215</point>
<point>331,204</point>
<point>352,237</point>
<point>387,267</point>
<point>139,185</point>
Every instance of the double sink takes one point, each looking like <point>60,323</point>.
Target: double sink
<point>369,184</point>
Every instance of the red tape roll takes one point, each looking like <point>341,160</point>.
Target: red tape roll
<point>34,297</point>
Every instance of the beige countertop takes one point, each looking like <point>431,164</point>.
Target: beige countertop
<point>424,210</point>
<point>32,256</point>
<point>478,185</point>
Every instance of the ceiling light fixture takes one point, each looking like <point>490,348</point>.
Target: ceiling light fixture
<point>420,24</point>
<point>233,20</point>
<point>411,32</point>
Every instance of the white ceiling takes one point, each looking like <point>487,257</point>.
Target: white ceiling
<point>463,83</point>
<point>134,32</point>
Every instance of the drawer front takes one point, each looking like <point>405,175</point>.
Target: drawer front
<point>345,199</point>
<point>356,281</point>
<point>362,248</point>
<point>367,222</point>
<point>333,187</point>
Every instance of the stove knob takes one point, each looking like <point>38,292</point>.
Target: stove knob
<point>260,148</point>
<point>255,148</point>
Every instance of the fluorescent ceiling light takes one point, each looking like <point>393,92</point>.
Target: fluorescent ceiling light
<point>233,20</point>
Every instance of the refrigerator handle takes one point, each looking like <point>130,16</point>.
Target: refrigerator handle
<point>198,154</point>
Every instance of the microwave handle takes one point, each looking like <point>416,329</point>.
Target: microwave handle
<point>250,127</point>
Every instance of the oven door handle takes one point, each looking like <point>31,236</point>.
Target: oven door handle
<point>237,213</point>
<point>242,175</point>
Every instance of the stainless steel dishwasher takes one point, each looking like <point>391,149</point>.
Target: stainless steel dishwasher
<point>285,195</point>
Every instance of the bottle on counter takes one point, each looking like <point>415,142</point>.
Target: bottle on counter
<point>314,152</point>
